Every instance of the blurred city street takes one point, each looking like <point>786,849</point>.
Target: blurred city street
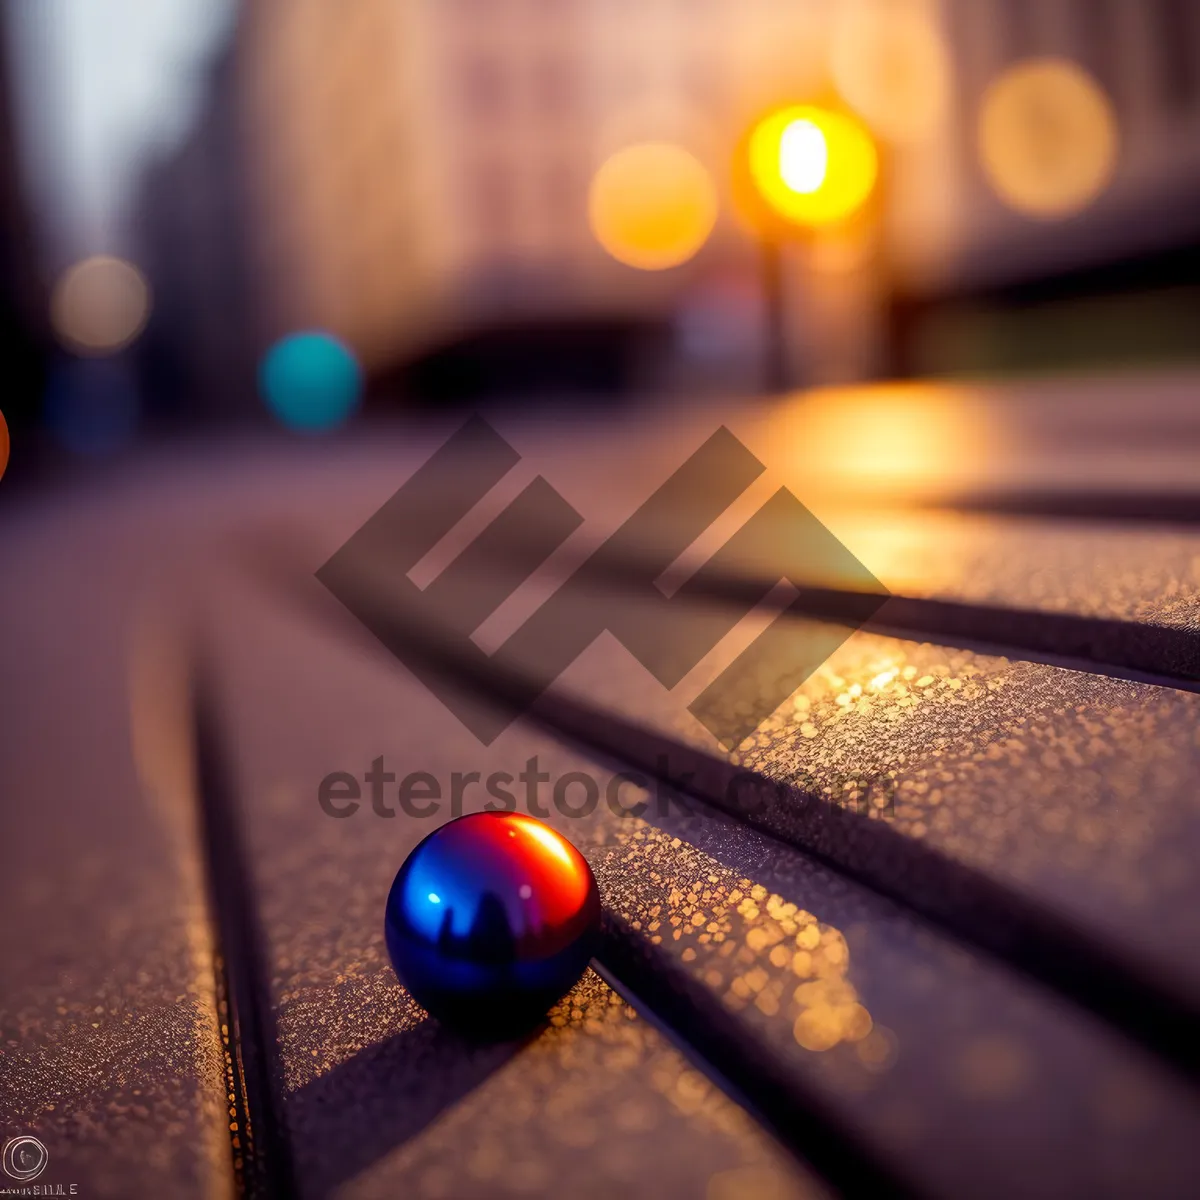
<point>565,202</point>
<point>769,427</point>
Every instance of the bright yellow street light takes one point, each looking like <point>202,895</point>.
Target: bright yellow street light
<point>813,167</point>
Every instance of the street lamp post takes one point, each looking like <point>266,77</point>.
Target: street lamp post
<point>800,170</point>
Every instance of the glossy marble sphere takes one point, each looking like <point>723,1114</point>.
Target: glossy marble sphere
<point>490,920</point>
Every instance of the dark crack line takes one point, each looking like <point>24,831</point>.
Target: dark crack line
<point>261,1154</point>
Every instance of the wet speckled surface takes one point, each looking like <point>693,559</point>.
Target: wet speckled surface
<point>1110,593</point>
<point>944,1065</point>
<point>1076,788</point>
<point>598,1103</point>
<point>1129,572</point>
<point>950,1062</point>
<point>110,1044</point>
<point>958,1073</point>
<point>376,1095</point>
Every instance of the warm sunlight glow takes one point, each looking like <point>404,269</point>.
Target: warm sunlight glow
<point>803,157</point>
<point>812,167</point>
<point>652,205</point>
<point>901,440</point>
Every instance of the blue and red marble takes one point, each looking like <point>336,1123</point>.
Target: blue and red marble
<point>490,920</point>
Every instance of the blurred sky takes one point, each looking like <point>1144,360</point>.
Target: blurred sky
<point>100,83</point>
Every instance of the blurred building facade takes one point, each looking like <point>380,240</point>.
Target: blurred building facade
<point>994,288</point>
<point>425,165</point>
<point>405,171</point>
<point>1145,56</point>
